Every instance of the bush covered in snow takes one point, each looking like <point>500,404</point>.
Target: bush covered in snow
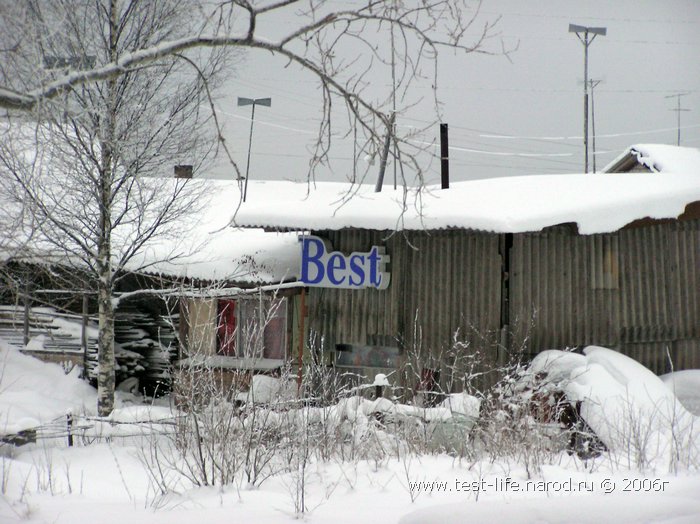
<point>629,409</point>
<point>226,434</point>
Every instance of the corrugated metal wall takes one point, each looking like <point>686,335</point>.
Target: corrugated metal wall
<point>443,283</point>
<point>660,298</point>
<point>358,316</point>
<point>559,296</point>
<point>454,287</point>
<point>636,290</point>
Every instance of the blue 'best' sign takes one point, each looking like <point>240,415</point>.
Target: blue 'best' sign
<point>322,267</point>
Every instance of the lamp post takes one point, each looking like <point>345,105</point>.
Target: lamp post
<point>267,102</point>
<point>586,40</point>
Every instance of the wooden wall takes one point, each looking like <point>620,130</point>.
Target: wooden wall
<point>199,326</point>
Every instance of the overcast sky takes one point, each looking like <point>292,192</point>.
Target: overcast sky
<point>506,118</point>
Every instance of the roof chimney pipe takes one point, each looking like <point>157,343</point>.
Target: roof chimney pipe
<point>183,171</point>
<point>444,158</point>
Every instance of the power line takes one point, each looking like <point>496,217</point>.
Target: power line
<point>613,40</point>
<point>495,153</point>
<point>577,137</point>
<point>269,124</point>
<point>566,17</point>
<point>483,133</point>
<point>540,90</point>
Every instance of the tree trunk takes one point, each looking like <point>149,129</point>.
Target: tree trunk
<point>105,359</point>
<point>105,282</point>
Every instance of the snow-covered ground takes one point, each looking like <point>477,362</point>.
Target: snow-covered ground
<point>106,480</point>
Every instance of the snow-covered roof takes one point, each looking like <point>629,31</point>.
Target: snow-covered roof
<point>245,256</point>
<point>657,158</point>
<point>597,203</point>
<point>212,250</point>
<point>193,239</point>
<point>204,247</point>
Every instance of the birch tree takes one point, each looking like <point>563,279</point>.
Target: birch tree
<point>90,164</point>
<point>116,89</point>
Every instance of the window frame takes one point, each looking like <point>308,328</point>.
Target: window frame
<point>248,315</point>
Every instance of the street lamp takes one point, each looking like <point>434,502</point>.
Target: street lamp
<point>586,40</point>
<point>267,102</point>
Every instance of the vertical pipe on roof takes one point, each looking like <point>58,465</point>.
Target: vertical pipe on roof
<point>444,158</point>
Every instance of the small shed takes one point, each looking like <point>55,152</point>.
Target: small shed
<point>656,158</point>
<point>493,268</point>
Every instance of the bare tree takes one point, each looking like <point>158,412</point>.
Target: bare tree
<point>89,163</point>
<point>349,47</point>
<point>114,90</point>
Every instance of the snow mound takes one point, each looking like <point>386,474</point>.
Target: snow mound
<point>686,386</point>
<point>462,404</point>
<point>630,409</point>
<point>558,365</point>
<point>34,392</point>
<point>133,414</point>
<point>265,389</point>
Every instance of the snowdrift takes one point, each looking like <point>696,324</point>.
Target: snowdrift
<point>33,393</point>
<point>629,408</point>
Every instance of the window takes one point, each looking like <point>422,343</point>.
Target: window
<point>254,327</point>
<point>226,329</point>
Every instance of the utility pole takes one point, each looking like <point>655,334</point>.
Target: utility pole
<point>586,40</point>
<point>594,84</point>
<point>678,110</point>
<point>444,158</point>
